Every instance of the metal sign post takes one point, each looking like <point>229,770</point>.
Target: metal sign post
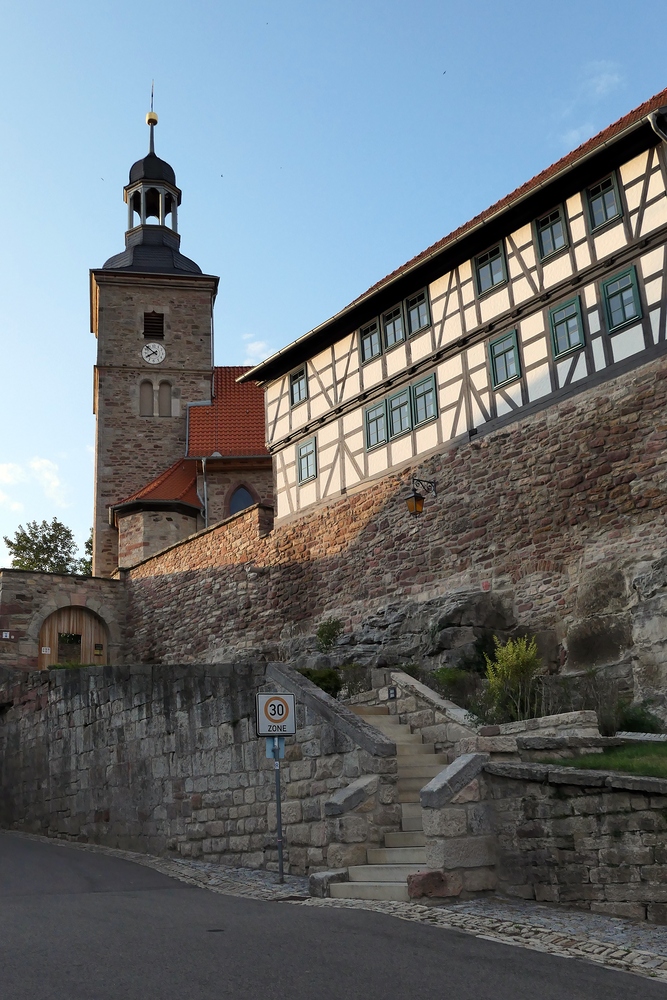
<point>276,718</point>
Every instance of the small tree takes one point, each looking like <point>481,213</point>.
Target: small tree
<point>327,633</point>
<point>46,548</point>
<point>512,674</point>
<point>84,566</point>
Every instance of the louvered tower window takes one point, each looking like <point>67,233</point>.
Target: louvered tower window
<point>154,325</point>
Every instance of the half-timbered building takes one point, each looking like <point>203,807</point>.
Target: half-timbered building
<point>555,288</point>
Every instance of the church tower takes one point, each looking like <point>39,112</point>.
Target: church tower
<point>151,311</point>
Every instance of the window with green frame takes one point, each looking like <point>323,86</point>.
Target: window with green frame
<point>399,412</point>
<point>306,460</point>
<point>604,202</point>
<point>621,299</point>
<point>490,269</point>
<point>504,356</point>
<point>567,328</point>
<point>424,405</point>
<point>369,337</point>
<point>418,314</point>
<point>376,425</point>
<point>298,387</point>
<point>551,233</point>
<point>392,325</point>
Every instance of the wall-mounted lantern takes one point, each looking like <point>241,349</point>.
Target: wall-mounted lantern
<point>415,501</point>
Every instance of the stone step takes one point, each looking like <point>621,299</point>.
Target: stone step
<point>403,839</point>
<point>415,784</point>
<point>411,816</point>
<point>385,721</point>
<point>424,769</point>
<point>409,797</point>
<point>370,890</point>
<point>396,856</point>
<point>424,749</point>
<point>383,873</point>
<point>369,709</point>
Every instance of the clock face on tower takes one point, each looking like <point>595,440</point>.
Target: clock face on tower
<point>153,353</point>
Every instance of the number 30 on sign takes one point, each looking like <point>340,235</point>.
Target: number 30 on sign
<point>276,715</point>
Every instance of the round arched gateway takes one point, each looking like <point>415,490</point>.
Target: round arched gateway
<point>73,636</point>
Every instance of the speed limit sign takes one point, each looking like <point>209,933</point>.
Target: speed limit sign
<point>276,715</point>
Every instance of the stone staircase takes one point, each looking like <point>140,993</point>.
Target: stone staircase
<point>384,876</point>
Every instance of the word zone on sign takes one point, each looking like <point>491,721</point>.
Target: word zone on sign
<point>276,715</point>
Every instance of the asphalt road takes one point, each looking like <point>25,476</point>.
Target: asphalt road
<point>75,925</point>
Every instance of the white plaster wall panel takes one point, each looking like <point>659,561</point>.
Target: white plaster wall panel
<point>355,441</point>
<point>321,364</point>
<point>634,168</point>
<point>480,378</point>
<point>523,237</point>
<point>654,316</point>
<point>514,393</point>
<point>401,449</point>
<point>531,326</point>
<point>283,505</point>
<point>282,427</point>
<point>377,460</point>
<point>449,369</point>
<point>437,310</point>
<point>349,388</point>
<point>470,317</point>
<point>653,290</point>
<point>556,270</point>
<point>372,373</point>
<point>396,359</point>
<point>344,346</point>
<point>449,394</point>
<point>326,455</point>
<point>494,304</point>
<point>612,239</point>
<point>328,434</point>
<point>319,404</point>
<point>460,425</point>
<point>627,343</point>
<point>465,271</point>
<point>452,329</point>
<point>274,390</point>
<point>467,292</point>
<point>352,422</point>
<point>352,476</point>
<point>299,415</point>
<point>426,438</point>
<point>535,351</point>
<point>654,216</point>
<point>521,290</point>
<point>439,286</point>
<point>573,205</point>
<point>478,417</point>
<point>582,256</point>
<point>653,262</point>
<point>331,480</point>
<point>581,368</point>
<point>577,229</point>
<point>590,295</point>
<point>538,381</point>
<point>562,371</point>
<point>515,269</point>
<point>307,494</point>
<point>656,185</point>
<point>476,355</point>
<point>594,320</point>
<point>598,354</point>
<point>633,196</point>
<point>446,423</point>
<point>421,346</point>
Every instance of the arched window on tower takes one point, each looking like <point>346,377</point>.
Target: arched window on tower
<point>240,499</point>
<point>146,399</point>
<point>164,399</point>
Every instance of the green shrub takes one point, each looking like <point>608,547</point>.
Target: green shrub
<point>455,684</point>
<point>512,675</point>
<point>414,670</point>
<point>327,633</point>
<point>326,678</point>
<point>637,718</point>
<point>356,678</point>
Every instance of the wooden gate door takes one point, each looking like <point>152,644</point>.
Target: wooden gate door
<point>72,635</point>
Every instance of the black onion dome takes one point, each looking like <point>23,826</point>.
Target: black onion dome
<point>152,168</point>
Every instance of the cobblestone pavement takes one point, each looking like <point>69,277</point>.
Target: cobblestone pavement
<point>609,941</point>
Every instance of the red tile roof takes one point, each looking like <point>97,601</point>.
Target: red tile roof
<point>601,139</point>
<point>178,482</point>
<point>234,422</point>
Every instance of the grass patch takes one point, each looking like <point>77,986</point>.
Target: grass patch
<point>647,760</point>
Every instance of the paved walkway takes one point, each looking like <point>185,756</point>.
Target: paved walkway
<point>608,941</point>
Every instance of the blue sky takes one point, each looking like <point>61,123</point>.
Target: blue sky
<point>318,146</point>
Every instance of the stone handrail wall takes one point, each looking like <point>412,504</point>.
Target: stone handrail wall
<point>166,759</point>
<point>593,839</point>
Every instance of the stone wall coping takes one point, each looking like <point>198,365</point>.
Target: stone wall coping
<point>448,708</point>
<point>555,775</point>
<point>537,742</point>
<point>442,789</point>
<point>581,719</point>
<point>345,799</point>
<point>641,737</point>
<point>338,715</point>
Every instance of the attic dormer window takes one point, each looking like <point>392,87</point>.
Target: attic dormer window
<point>153,325</point>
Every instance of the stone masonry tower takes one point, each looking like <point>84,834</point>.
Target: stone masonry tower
<point>151,311</point>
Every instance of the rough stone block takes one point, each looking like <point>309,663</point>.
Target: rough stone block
<point>345,855</point>
<point>446,822</point>
<point>319,882</point>
<point>351,796</point>
<point>463,852</point>
<point>480,880</point>
<point>434,884</point>
<point>441,789</point>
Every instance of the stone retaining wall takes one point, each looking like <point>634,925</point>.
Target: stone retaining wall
<point>592,839</point>
<point>165,759</point>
